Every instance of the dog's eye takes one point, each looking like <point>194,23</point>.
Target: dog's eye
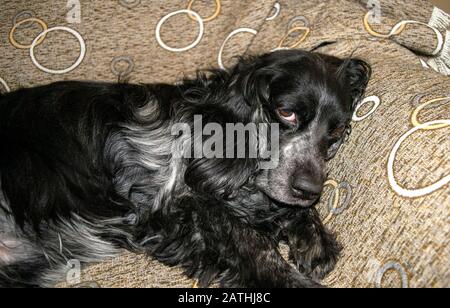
<point>287,115</point>
<point>338,132</point>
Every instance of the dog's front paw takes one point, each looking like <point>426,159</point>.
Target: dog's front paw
<point>316,257</point>
<point>326,260</point>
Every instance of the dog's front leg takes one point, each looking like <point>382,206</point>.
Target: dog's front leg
<point>314,250</point>
<point>256,262</point>
<point>213,245</point>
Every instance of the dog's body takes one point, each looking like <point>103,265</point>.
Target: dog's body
<point>88,169</point>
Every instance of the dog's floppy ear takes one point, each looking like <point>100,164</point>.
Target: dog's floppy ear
<point>240,101</point>
<point>356,74</point>
<point>218,178</point>
<point>251,82</point>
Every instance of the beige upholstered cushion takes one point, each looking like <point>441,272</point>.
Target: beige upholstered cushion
<point>392,219</point>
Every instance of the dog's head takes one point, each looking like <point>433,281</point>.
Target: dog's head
<point>312,97</point>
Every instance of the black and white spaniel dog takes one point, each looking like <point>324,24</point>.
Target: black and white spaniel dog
<point>88,169</point>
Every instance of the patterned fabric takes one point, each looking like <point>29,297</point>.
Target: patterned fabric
<point>388,195</point>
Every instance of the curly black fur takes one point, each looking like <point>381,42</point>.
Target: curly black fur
<point>88,169</point>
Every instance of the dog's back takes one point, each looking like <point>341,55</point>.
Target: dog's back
<point>53,138</point>
<point>53,175</point>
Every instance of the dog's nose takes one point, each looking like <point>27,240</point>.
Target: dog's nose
<point>307,188</point>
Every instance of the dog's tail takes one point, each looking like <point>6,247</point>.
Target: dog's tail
<point>21,264</point>
<point>23,274</point>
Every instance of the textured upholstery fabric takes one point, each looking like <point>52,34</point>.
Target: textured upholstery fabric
<point>388,206</point>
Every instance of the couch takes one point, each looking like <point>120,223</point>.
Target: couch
<point>387,197</point>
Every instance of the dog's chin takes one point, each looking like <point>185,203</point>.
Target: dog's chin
<point>291,201</point>
<point>284,198</point>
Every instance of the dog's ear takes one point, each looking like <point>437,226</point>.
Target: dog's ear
<point>355,74</point>
<point>236,98</point>
<point>218,178</point>
<point>251,82</point>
